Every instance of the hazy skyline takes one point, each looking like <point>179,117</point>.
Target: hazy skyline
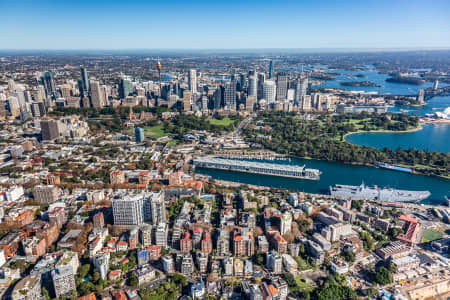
<point>224,25</point>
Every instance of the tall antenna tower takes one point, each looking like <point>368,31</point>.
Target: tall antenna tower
<point>158,66</point>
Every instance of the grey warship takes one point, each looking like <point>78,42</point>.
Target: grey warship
<point>376,193</point>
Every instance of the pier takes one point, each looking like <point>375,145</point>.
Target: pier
<point>280,170</point>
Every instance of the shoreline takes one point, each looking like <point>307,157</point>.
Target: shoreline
<point>418,128</point>
<point>370,165</point>
<point>237,184</point>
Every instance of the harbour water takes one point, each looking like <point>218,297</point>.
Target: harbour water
<point>375,77</point>
<point>339,173</point>
<point>434,137</point>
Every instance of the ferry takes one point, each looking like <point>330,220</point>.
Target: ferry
<point>392,167</point>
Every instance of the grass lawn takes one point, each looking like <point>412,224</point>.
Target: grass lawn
<point>301,282</point>
<point>431,235</point>
<point>223,122</point>
<point>155,132</point>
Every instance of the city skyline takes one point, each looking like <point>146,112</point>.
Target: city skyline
<point>225,25</point>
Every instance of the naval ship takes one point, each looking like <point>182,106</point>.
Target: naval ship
<point>377,193</point>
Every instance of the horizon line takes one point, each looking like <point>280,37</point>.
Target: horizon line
<point>239,49</point>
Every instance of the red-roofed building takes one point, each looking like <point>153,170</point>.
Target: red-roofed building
<point>57,216</point>
<point>154,252</point>
<point>115,275</point>
<point>90,296</point>
<point>411,228</point>
<point>206,243</point>
<point>121,246</point>
<point>278,242</point>
<point>194,184</point>
<point>175,179</point>
<point>117,177</point>
<point>98,220</point>
<point>243,243</point>
<point>186,242</point>
<point>144,177</point>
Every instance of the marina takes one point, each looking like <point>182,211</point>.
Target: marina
<point>280,170</point>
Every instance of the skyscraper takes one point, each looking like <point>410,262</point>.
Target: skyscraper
<point>301,89</point>
<point>97,97</point>
<point>84,82</point>
<point>126,88</point>
<point>250,103</point>
<point>49,129</point>
<point>192,82</point>
<point>218,96</point>
<point>49,85</point>
<point>252,86</point>
<point>242,82</point>
<point>261,79</point>
<point>229,95</point>
<point>139,134</point>
<point>269,91</point>
<point>282,85</point>
<point>187,99</point>
<point>271,69</point>
<point>128,210</point>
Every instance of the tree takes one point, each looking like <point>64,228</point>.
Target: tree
<point>383,276</point>
<point>84,270</point>
<point>349,256</point>
<point>132,280</point>
<point>179,279</point>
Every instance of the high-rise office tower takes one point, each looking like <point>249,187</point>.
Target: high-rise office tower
<point>187,100</point>
<point>282,85</point>
<point>271,69</point>
<point>250,103</point>
<point>154,208</point>
<point>128,210</point>
<point>316,100</point>
<point>97,97</point>
<point>269,91</point>
<point>84,82</point>
<point>242,82</point>
<point>229,95</point>
<point>66,90</point>
<point>38,109</point>
<point>306,103</point>
<point>261,79</point>
<point>49,129</point>
<point>49,85</point>
<point>126,88</point>
<point>139,134</point>
<point>218,97</point>
<point>252,86</point>
<point>205,103</point>
<point>166,92</point>
<point>63,280</point>
<point>192,81</point>
<point>300,89</point>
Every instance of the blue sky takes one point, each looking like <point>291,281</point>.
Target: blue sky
<point>98,24</point>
